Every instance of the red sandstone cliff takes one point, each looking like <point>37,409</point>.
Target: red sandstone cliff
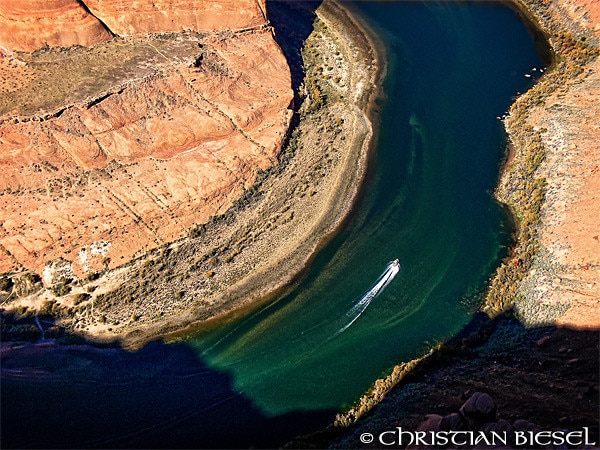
<point>126,17</point>
<point>29,25</point>
<point>104,175</point>
<point>26,26</point>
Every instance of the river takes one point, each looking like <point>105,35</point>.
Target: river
<point>287,368</point>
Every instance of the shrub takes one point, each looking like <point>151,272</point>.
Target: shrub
<point>80,298</point>
<point>32,277</point>
<point>6,283</point>
<point>62,288</point>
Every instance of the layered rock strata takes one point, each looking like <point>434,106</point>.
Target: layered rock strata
<point>141,16</point>
<point>27,26</point>
<point>111,165</point>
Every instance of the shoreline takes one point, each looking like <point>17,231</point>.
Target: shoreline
<point>261,246</point>
<point>344,194</point>
<point>533,183</point>
<point>509,289</point>
<point>135,340</point>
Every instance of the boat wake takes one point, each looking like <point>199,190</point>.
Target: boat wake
<point>310,339</point>
<point>383,281</point>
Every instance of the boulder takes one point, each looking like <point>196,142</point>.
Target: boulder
<point>454,422</point>
<point>431,423</point>
<point>479,409</point>
<point>501,428</point>
<point>525,425</point>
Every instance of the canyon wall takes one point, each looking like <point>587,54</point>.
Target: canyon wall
<point>142,16</point>
<point>166,132</point>
<point>29,25</point>
<point>554,180</point>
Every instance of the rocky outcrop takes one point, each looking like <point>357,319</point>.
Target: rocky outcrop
<point>29,25</point>
<point>125,17</point>
<point>104,163</point>
<point>100,181</point>
<point>479,428</point>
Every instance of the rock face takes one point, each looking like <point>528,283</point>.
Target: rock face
<point>26,26</point>
<point>125,17</point>
<point>29,25</point>
<point>132,166</point>
<point>562,284</point>
<point>570,271</point>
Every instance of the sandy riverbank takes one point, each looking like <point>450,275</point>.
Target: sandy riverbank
<point>260,246</point>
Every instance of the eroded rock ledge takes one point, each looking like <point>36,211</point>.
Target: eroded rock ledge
<point>136,165</point>
<point>111,150</point>
<point>29,25</point>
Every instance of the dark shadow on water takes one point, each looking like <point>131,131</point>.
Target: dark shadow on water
<point>162,396</point>
<point>544,378</point>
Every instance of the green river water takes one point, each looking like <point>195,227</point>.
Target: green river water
<point>428,201</point>
<point>288,367</point>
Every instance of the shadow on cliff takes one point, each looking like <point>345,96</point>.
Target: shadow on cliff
<point>161,396</point>
<point>293,23</point>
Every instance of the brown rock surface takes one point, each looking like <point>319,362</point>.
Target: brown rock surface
<point>586,12</point>
<point>571,214</point>
<point>138,162</point>
<point>28,25</point>
<point>565,276</point>
<point>125,17</point>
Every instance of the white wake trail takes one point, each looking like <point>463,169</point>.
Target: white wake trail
<point>383,281</point>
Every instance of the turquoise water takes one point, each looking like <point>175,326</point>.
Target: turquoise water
<point>288,367</point>
<point>453,70</point>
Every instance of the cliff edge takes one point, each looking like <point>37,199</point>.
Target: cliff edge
<point>27,26</point>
